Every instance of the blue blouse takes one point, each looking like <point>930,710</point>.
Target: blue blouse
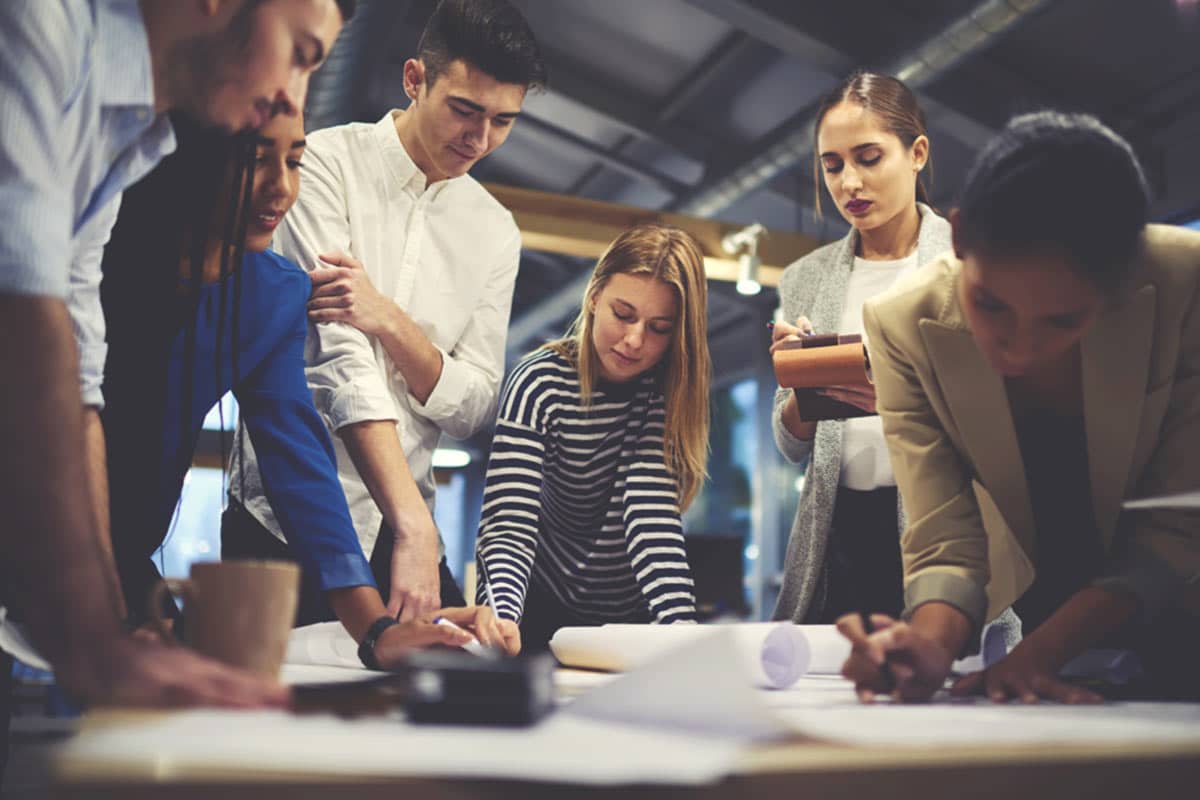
<point>294,450</point>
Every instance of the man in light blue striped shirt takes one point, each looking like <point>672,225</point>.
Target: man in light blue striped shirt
<point>84,85</point>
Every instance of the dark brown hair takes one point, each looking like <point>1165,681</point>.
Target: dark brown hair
<point>491,35</point>
<point>1011,204</point>
<point>890,100</point>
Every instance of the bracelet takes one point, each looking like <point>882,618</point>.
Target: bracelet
<point>366,650</point>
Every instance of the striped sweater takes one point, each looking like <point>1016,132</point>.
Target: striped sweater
<point>580,500</point>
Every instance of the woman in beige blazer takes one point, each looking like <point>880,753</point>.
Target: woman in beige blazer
<point>1028,384</point>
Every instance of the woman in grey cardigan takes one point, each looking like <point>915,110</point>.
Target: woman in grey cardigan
<point>844,550</point>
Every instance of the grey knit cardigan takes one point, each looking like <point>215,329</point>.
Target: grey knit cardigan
<point>815,287</point>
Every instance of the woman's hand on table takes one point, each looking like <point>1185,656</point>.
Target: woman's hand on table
<point>918,663</point>
<point>491,631</point>
<point>472,623</point>
<point>1028,675</point>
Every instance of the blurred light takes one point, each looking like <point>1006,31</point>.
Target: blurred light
<point>744,245</point>
<point>751,552</point>
<point>800,484</point>
<point>747,283</point>
<point>446,458</point>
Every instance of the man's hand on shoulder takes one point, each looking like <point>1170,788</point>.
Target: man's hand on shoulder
<point>343,292</point>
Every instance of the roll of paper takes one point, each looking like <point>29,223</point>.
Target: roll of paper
<point>775,654</point>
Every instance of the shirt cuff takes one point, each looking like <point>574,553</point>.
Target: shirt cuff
<point>448,394</point>
<point>793,448</point>
<point>349,404</point>
<point>1150,581</point>
<point>344,571</point>
<point>958,591</point>
<point>91,373</point>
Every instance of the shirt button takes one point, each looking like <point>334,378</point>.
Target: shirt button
<point>143,115</point>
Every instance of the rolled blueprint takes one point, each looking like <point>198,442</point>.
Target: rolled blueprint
<point>776,654</point>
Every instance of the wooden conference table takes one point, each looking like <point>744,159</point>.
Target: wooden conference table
<point>794,768</point>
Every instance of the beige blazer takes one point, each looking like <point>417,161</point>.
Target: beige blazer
<point>970,539</point>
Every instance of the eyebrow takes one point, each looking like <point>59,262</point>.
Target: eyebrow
<point>634,308</point>
<point>476,107</point>
<point>858,148</point>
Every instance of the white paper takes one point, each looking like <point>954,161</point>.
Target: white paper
<point>1181,500</point>
<point>774,654</point>
<point>14,642</point>
<point>325,644</point>
<point>572,749</point>
<point>978,721</point>
<point>702,686</point>
<point>310,674</point>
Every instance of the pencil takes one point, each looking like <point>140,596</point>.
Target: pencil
<point>889,677</point>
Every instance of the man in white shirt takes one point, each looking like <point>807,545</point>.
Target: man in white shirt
<point>414,264</point>
<point>83,86</point>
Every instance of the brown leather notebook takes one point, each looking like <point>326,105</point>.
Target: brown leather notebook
<point>820,360</point>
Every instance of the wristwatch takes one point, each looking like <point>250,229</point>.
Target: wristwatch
<point>366,650</point>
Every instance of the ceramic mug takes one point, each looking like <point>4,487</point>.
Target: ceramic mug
<point>238,612</point>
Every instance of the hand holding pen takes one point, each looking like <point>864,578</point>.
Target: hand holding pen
<point>893,657</point>
<point>783,332</point>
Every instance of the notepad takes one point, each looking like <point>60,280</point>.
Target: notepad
<point>813,362</point>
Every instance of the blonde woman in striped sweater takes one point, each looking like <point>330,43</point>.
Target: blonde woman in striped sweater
<point>601,440</point>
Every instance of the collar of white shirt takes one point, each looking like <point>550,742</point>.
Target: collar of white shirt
<point>123,73</point>
<point>405,172</point>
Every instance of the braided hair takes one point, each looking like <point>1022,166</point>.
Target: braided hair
<point>1058,183</point>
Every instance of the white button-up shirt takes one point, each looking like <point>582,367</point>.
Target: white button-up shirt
<point>446,253</point>
<point>77,126</point>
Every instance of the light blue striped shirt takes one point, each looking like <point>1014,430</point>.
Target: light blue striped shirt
<point>77,126</point>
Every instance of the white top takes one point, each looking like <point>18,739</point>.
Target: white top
<point>447,254</point>
<point>865,462</point>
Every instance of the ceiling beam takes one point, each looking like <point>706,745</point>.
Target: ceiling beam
<point>610,158</point>
<point>622,107</point>
<point>788,39</point>
<point>581,227</point>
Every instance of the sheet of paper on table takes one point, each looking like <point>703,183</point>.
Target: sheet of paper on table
<point>1181,500</point>
<point>562,748</point>
<point>686,719</point>
<point>836,716</point>
<point>325,644</point>
<point>14,642</point>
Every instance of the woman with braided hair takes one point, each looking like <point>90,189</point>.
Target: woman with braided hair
<point>232,318</point>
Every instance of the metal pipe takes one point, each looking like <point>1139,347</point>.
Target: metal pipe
<point>967,35</point>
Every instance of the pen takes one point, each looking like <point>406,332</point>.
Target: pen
<point>889,678</point>
<point>473,646</point>
<point>487,588</point>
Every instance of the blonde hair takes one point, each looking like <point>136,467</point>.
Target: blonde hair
<point>673,257</point>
